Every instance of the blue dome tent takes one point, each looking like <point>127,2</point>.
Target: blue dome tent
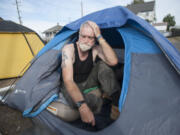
<point>150,95</point>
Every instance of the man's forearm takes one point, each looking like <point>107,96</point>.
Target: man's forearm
<point>109,55</point>
<point>74,91</point>
<point>85,113</point>
<point>108,52</point>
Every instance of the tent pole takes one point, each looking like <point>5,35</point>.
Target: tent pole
<point>28,44</point>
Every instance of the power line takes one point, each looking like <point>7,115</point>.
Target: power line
<point>18,11</point>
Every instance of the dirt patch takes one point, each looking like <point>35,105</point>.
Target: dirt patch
<point>11,120</point>
<point>7,82</point>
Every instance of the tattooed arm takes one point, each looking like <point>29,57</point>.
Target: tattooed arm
<point>71,87</point>
<point>67,72</point>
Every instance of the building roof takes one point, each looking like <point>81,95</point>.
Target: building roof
<point>53,29</point>
<point>160,24</point>
<point>9,26</point>
<point>142,7</point>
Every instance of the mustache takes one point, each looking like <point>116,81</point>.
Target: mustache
<point>84,47</point>
<point>86,44</point>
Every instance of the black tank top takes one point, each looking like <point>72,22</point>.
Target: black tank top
<point>82,69</point>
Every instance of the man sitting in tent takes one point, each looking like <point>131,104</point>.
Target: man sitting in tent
<point>86,75</point>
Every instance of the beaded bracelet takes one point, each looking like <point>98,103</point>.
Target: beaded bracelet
<point>100,36</point>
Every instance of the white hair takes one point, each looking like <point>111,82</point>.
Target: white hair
<point>85,24</point>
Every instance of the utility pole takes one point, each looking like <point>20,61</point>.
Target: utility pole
<point>20,21</point>
<point>81,8</point>
<point>19,16</point>
<point>155,19</point>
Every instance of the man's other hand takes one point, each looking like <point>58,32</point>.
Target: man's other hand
<point>86,114</point>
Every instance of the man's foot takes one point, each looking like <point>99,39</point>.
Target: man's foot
<point>106,96</point>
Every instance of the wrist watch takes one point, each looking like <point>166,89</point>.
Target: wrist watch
<point>79,103</point>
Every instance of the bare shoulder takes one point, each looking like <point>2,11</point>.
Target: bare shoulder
<point>68,47</point>
<point>95,51</point>
<point>68,52</point>
<point>96,48</point>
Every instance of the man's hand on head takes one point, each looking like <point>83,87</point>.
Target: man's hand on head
<point>95,28</point>
<point>86,114</point>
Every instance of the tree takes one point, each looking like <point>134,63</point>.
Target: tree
<point>148,20</point>
<point>170,20</point>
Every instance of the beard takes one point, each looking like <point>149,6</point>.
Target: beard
<point>84,47</point>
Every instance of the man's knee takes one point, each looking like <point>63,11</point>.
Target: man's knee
<point>63,111</point>
<point>107,78</point>
<point>94,102</point>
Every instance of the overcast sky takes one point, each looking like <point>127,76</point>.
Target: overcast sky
<point>40,15</point>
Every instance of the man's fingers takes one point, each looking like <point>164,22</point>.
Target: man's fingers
<point>86,115</point>
<point>95,28</point>
<point>92,25</point>
<point>93,123</point>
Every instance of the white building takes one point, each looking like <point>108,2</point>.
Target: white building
<point>162,27</point>
<point>51,32</point>
<point>144,10</point>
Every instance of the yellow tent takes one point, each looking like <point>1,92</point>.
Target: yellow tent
<point>18,46</point>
